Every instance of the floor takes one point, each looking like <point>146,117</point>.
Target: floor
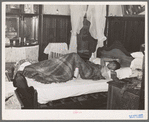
<point>91,101</point>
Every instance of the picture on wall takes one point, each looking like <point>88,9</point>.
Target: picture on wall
<point>133,10</point>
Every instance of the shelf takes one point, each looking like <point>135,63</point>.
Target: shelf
<point>21,46</point>
<point>22,9</point>
<point>25,23</point>
<point>141,17</point>
<point>13,14</point>
<point>21,14</point>
<point>29,14</point>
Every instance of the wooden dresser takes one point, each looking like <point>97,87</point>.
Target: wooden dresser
<point>122,94</point>
<point>130,31</point>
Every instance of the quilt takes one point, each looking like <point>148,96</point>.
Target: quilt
<point>62,69</point>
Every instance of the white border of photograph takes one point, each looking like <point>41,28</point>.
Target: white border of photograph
<point>73,114</point>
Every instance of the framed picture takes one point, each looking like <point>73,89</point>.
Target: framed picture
<point>132,10</point>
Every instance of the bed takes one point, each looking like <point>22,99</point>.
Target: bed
<point>76,93</point>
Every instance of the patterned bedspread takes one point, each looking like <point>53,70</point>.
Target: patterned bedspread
<point>62,69</point>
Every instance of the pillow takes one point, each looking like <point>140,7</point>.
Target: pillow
<point>124,72</point>
<point>137,55</point>
<point>137,73</point>
<point>136,63</point>
<point>22,66</point>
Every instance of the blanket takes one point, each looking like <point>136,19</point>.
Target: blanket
<point>62,69</point>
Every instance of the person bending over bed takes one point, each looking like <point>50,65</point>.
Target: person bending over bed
<point>63,68</point>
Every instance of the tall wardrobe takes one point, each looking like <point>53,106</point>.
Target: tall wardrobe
<point>52,29</point>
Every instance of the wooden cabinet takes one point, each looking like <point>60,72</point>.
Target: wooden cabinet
<point>129,30</point>
<point>22,24</point>
<point>54,29</point>
<point>142,91</point>
<point>122,96</point>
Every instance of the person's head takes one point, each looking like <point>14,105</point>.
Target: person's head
<point>113,65</point>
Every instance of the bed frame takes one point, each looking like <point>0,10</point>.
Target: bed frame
<point>28,95</point>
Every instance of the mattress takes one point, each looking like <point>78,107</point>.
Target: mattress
<point>76,87</point>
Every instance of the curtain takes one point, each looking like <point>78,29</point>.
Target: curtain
<point>77,13</point>
<point>96,15</point>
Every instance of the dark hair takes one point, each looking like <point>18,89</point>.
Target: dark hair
<point>117,65</point>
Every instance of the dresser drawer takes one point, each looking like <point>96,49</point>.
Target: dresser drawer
<point>122,95</point>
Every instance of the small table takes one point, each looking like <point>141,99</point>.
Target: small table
<point>122,95</point>
<point>15,54</point>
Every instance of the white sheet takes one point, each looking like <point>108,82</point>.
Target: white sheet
<point>55,91</point>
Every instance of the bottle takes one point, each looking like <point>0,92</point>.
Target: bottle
<point>24,40</point>
<point>14,42</point>
<point>57,12</point>
<point>76,72</point>
<point>19,41</point>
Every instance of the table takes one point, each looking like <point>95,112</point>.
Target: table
<point>15,54</point>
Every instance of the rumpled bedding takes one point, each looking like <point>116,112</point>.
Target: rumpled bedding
<point>62,69</point>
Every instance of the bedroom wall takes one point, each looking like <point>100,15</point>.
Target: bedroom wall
<point>114,10</point>
<point>52,9</point>
<point>65,10</point>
